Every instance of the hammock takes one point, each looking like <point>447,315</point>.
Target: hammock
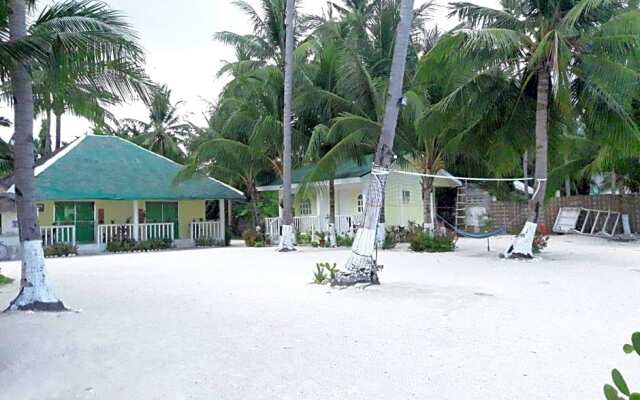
<point>474,235</point>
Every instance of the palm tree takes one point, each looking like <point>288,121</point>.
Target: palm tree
<point>165,131</point>
<point>572,56</point>
<point>35,293</point>
<point>233,162</point>
<point>360,266</point>
<point>287,238</point>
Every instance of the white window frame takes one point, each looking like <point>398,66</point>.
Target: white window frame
<point>305,208</point>
<point>406,197</point>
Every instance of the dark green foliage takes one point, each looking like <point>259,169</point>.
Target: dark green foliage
<point>227,237</point>
<point>426,242</point>
<point>60,250</point>
<point>125,246</point>
<point>344,241</point>
<point>207,242</point>
<point>390,239</point>
<point>252,238</point>
<point>303,238</point>
<point>5,280</point>
<point>620,390</point>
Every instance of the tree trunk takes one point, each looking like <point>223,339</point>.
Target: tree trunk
<point>428,217</point>
<point>333,242</point>
<point>254,207</point>
<point>35,293</point>
<point>525,172</point>
<point>536,205</point>
<point>361,266</point>
<point>47,139</point>
<point>287,238</point>
<point>58,130</point>
<point>567,186</point>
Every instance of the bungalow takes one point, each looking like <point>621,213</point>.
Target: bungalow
<point>103,188</point>
<point>403,199</point>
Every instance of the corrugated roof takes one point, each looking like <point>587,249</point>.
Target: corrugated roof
<point>112,168</point>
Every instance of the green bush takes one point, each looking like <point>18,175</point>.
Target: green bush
<point>325,273</point>
<point>303,238</point>
<point>127,245</point>
<point>425,242</point>
<point>390,239</point>
<point>344,241</point>
<point>60,250</point>
<point>207,242</point>
<point>251,237</point>
<point>619,384</point>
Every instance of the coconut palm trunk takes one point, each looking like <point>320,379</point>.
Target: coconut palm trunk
<point>427,215</point>
<point>58,116</point>
<point>287,237</point>
<point>536,205</point>
<point>361,266</point>
<point>35,293</point>
<point>333,240</point>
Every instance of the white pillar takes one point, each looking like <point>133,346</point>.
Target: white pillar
<point>223,221</point>
<point>136,221</point>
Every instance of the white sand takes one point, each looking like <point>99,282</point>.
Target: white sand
<point>246,324</point>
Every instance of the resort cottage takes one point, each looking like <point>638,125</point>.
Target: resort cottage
<point>103,188</point>
<point>403,199</point>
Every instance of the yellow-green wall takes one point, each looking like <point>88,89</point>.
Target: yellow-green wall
<point>121,212</point>
<point>45,217</point>
<point>189,210</point>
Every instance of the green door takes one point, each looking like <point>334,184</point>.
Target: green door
<point>160,212</point>
<point>79,214</point>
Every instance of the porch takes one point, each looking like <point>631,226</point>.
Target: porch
<point>101,222</point>
<point>345,225</point>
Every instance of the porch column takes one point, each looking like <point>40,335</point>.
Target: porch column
<point>222,213</point>
<point>136,221</point>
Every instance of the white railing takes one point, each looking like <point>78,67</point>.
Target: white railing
<point>111,232</point>
<point>345,224</point>
<point>58,234</point>
<point>207,230</point>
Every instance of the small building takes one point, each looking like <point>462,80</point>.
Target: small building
<point>403,198</point>
<point>103,188</point>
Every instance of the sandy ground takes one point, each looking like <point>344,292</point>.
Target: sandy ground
<point>242,323</point>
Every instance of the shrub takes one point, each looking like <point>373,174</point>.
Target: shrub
<point>206,242</point>
<point>303,238</point>
<point>325,273</point>
<point>250,237</point>
<point>227,237</point>
<point>127,245</point>
<point>344,241</point>
<point>540,241</point>
<point>425,242</point>
<point>390,239</point>
<point>319,275</point>
<point>60,250</point>
<point>619,384</point>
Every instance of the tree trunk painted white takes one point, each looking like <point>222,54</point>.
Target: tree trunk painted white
<point>35,293</point>
<point>287,239</point>
<point>362,265</point>
<point>333,241</point>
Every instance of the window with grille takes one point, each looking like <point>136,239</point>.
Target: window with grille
<point>406,197</point>
<point>305,207</point>
<point>360,205</point>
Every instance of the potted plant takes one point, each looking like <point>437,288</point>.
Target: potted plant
<point>321,238</point>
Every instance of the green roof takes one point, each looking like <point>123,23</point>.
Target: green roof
<point>112,168</point>
<point>347,169</point>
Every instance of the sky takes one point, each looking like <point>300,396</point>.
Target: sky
<point>181,53</point>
